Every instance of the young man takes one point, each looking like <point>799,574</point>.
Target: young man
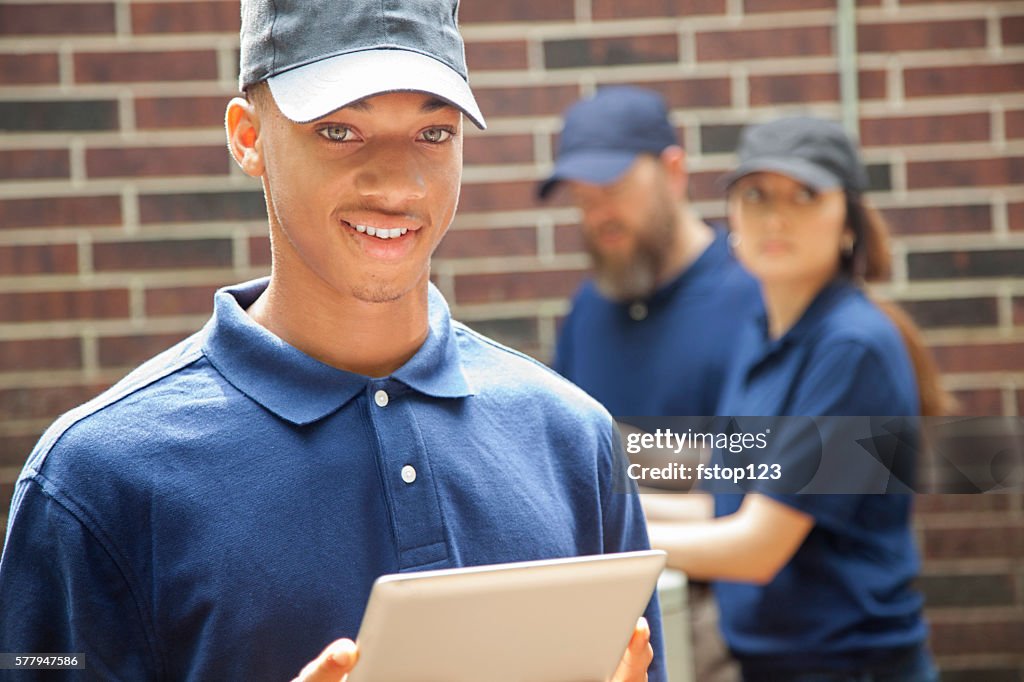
<point>222,512</point>
<point>652,333</point>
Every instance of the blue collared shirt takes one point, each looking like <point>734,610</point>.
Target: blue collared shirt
<point>845,598</point>
<point>667,355</point>
<point>222,512</point>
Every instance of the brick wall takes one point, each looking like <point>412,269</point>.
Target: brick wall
<point>120,211</point>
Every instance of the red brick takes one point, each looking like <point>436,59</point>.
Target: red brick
<point>692,93</point>
<point>53,115</point>
<point>979,402</point>
<point>201,207</point>
<point>520,333</point>
<point>800,41</point>
<point>925,35</point>
<point>968,590</point>
<point>24,355</point>
<point>756,6</point>
<point>41,306</point>
<point>569,239</point>
<point>811,87</point>
<point>980,263</point>
<point>46,402</point>
<point>46,19</point>
<point>954,312</point>
<point>197,300</point>
<point>903,130</point>
<point>129,351</point>
<point>704,186</point>
<point>1018,319</point>
<point>1015,123</point>
<point>1016,212</point>
<point>59,211</point>
<point>165,254</point>
<point>522,10</point>
<point>156,161</point>
<point>980,357</point>
<point>977,79</point>
<point>576,53</point>
<point>965,172</point>
<point>259,251</point>
<point>28,69</point>
<point>991,540</point>
<point>137,67</point>
<point>185,17</point>
<point>496,55</point>
<point>1012,30</point>
<point>498,149</point>
<point>932,219</point>
<point>180,112</point>
<point>34,164</point>
<point>627,9</point>
<point>517,286</point>
<point>540,100</point>
<point>927,505</point>
<point>505,196</point>
<point>38,259</point>
<point>14,450</point>
<point>1000,636</point>
<point>501,242</point>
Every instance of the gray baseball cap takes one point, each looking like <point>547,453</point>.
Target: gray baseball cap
<point>813,151</point>
<point>320,55</point>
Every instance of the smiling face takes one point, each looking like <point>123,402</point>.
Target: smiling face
<point>359,199</point>
<point>788,233</point>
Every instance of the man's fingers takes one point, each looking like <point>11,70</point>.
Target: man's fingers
<point>333,663</point>
<point>638,656</point>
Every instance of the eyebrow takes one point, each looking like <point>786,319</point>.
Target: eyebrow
<point>431,105</point>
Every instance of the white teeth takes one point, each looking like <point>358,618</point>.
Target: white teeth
<point>380,232</point>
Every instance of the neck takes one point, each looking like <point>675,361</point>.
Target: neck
<point>372,339</point>
<point>785,303</point>
<point>693,238</point>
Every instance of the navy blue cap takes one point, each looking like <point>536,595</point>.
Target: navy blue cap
<point>604,134</point>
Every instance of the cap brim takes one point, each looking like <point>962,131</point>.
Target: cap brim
<point>314,90</point>
<point>598,167</point>
<point>810,174</point>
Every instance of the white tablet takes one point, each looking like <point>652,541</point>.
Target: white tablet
<point>563,620</point>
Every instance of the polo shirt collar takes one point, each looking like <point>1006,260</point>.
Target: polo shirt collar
<point>812,317</point>
<point>301,389</point>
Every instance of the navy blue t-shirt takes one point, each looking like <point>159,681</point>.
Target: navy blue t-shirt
<point>667,355</point>
<point>845,598</point>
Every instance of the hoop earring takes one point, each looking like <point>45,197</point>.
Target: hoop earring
<point>849,241</point>
<point>733,240</point>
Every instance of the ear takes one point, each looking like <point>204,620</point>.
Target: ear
<point>243,129</point>
<point>673,161</point>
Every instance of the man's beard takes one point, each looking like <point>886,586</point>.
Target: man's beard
<point>635,275</point>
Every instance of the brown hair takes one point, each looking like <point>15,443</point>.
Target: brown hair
<point>870,261</point>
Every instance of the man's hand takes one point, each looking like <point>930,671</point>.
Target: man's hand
<point>638,656</point>
<point>336,661</point>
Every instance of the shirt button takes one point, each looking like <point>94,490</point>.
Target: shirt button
<point>381,398</point>
<point>408,473</point>
<point>638,311</point>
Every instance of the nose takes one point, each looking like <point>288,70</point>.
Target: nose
<point>391,174</point>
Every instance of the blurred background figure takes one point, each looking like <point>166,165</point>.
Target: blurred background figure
<point>814,588</point>
<point>651,333</point>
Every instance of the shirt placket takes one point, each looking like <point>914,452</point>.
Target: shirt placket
<point>407,477</point>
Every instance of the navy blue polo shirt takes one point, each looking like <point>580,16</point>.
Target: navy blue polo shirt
<point>667,355</point>
<point>221,513</point>
<point>845,598</point>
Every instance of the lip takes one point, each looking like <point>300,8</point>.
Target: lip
<point>393,248</point>
<point>775,246</point>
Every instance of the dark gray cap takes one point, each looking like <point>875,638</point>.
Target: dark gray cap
<point>813,151</point>
<point>320,55</point>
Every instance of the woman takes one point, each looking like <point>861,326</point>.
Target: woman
<point>814,587</point>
